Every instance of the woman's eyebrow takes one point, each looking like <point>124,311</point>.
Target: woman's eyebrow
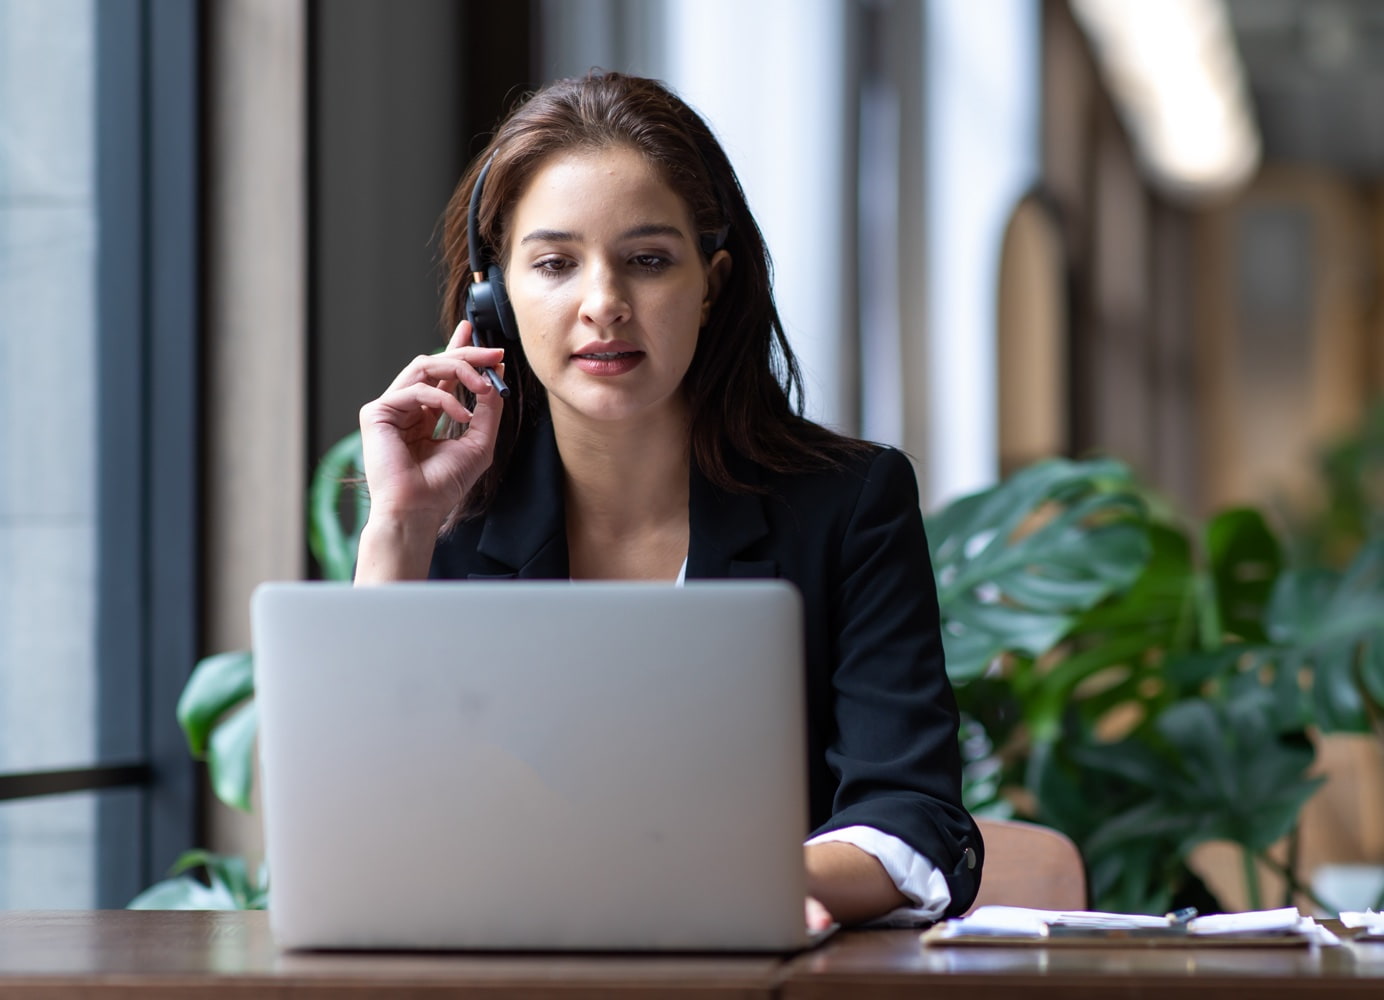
<point>651,229</point>
<point>550,236</point>
<point>566,236</point>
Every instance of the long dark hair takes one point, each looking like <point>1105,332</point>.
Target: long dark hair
<point>743,388</point>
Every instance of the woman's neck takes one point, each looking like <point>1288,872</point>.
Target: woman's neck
<point>626,493</point>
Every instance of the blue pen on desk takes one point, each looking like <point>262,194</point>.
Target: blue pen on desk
<point>1182,917</point>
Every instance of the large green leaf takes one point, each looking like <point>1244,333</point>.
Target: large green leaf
<point>1017,563</point>
<point>183,893</point>
<point>1159,606</point>
<point>1136,876</point>
<point>229,886</point>
<point>333,536</point>
<point>1245,562</point>
<point>231,757</point>
<point>1313,606</point>
<point>217,684</point>
<point>1351,471</point>
<point>1219,771</point>
<point>1325,624</point>
<point>1372,679</point>
<point>1112,653</point>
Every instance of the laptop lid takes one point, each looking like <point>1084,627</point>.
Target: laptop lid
<point>528,765</point>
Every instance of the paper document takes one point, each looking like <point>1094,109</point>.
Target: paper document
<point>1281,921</point>
<point>1022,924</point>
<point>1003,921</point>
<point>1369,922</point>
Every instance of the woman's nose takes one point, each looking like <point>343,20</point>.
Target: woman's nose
<point>604,299</point>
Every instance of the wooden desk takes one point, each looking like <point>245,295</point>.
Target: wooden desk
<point>883,965</point>
<point>162,955</point>
<point>121,955</point>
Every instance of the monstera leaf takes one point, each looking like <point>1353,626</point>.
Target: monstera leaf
<point>333,535</point>
<point>1328,626</point>
<point>219,721</point>
<point>229,886</point>
<point>1245,561</point>
<point>1167,634</point>
<point>1207,770</point>
<point>1018,563</point>
<point>1218,771</point>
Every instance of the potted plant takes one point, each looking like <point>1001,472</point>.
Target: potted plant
<point>1171,710</point>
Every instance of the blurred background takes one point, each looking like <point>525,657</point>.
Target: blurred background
<point>1002,230</point>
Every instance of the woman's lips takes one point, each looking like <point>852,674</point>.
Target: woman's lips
<point>609,358</point>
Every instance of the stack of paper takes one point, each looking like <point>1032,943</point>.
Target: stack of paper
<point>1015,924</point>
<point>1370,922</point>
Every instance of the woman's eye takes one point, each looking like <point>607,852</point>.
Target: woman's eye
<point>651,261</point>
<point>550,265</point>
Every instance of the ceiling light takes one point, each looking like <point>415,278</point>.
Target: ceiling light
<point>1176,77</point>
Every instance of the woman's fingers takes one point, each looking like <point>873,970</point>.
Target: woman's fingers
<point>819,918</point>
<point>454,365</point>
<point>485,422</point>
<point>401,407</point>
<point>407,466</point>
<point>464,333</point>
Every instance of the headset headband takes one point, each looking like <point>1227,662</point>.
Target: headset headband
<point>473,236</point>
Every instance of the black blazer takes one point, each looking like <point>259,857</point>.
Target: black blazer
<point>882,720</point>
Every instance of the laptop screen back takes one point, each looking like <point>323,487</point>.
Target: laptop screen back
<point>533,765</point>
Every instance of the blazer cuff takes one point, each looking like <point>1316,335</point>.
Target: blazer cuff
<point>913,874</point>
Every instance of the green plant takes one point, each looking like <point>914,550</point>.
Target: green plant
<point>230,885</point>
<point>1144,685</point>
<point>217,710</point>
<point>1350,508</point>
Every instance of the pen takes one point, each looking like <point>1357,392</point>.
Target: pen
<point>497,382</point>
<point>1177,918</point>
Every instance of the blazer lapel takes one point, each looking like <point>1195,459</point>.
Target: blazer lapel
<point>526,531</point>
<point>723,526</point>
<point>525,528</point>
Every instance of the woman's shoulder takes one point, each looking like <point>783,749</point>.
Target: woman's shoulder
<point>849,470</point>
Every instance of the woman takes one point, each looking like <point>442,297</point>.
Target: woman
<point>650,433</point>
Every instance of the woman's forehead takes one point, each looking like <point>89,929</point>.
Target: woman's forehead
<point>595,186</point>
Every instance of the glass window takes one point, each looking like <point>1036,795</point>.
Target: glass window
<point>79,676</point>
<point>47,468</point>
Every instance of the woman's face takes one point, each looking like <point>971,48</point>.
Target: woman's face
<point>608,285</point>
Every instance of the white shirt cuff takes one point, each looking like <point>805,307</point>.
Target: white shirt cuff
<point>914,875</point>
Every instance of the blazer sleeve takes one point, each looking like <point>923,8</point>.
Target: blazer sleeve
<point>895,751</point>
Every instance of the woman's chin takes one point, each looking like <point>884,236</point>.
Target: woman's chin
<point>613,407</point>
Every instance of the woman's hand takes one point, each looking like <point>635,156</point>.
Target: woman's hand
<point>415,479</point>
<point>819,918</point>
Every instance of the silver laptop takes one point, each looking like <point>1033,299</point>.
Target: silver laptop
<point>551,766</point>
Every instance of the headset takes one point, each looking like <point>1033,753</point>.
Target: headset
<point>487,306</point>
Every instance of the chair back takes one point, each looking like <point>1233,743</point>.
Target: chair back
<point>1030,865</point>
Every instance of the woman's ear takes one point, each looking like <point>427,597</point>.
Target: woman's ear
<point>717,271</point>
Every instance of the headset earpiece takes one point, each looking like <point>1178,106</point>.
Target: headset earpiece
<point>711,242</point>
<point>488,309</point>
<point>487,303</point>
